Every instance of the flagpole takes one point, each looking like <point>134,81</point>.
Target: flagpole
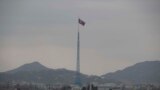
<point>78,76</point>
<point>78,50</point>
<point>78,79</point>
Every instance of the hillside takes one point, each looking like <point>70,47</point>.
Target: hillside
<point>144,72</point>
<point>36,72</point>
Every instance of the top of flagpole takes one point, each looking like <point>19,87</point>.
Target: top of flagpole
<point>78,25</point>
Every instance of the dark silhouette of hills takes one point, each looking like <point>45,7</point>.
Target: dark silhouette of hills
<point>34,66</point>
<point>36,72</point>
<point>144,72</point>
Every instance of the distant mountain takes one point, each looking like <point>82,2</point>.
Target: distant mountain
<point>35,66</point>
<point>144,72</point>
<point>35,72</point>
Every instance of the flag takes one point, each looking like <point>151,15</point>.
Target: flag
<point>81,22</point>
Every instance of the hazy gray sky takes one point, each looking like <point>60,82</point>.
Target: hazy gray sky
<point>118,33</point>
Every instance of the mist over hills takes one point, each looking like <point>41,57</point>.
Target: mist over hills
<point>37,73</point>
<point>144,72</point>
<point>35,66</point>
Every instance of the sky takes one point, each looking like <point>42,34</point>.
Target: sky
<point>117,34</point>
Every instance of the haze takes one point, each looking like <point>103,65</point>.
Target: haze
<point>117,34</point>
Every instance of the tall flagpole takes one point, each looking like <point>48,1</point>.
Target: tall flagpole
<point>78,79</point>
<point>78,76</point>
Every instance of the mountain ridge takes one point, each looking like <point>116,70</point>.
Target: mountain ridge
<point>143,72</point>
<point>147,71</point>
<point>34,66</point>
